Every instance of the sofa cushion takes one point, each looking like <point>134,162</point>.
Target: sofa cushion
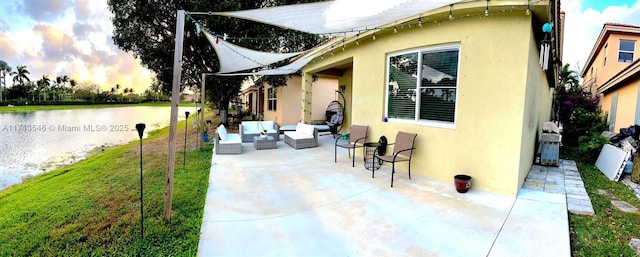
<point>267,124</point>
<point>305,129</point>
<point>222,132</point>
<point>232,139</point>
<point>254,127</point>
<point>297,135</point>
<point>249,126</point>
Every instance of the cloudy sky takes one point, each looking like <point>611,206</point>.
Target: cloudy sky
<point>584,20</point>
<point>73,37</point>
<point>67,37</point>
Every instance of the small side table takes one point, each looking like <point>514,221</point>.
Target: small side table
<point>260,143</point>
<point>369,156</point>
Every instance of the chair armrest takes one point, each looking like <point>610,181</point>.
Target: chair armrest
<point>403,150</point>
<point>362,138</point>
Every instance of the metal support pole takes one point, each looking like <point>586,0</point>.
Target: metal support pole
<point>202,97</point>
<point>175,100</point>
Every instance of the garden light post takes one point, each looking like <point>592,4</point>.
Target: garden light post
<point>186,125</point>
<point>140,128</point>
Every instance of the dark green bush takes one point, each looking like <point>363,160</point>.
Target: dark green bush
<point>590,147</point>
<point>582,123</point>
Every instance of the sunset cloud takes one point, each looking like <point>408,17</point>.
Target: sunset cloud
<point>67,37</point>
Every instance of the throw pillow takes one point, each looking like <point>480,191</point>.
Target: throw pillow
<point>222,132</point>
<point>308,129</point>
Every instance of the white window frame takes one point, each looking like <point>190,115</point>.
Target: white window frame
<point>606,50</point>
<point>417,120</point>
<point>272,99</point>
<point>632,52</point>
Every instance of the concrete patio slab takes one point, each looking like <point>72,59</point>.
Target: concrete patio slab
<point>287,202</point>
<point>531,228</point>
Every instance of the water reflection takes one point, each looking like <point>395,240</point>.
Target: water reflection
<point>35,142</point>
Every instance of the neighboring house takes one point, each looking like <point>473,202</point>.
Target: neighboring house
<point>251,97</point>
<point>283,104</point>
<point>620,96</point>
<point>614,50</point>
<point>471,86</point>
<point>612,71</point>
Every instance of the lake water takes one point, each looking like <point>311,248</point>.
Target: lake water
<point>32,143</point>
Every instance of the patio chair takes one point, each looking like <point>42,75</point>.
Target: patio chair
<point>402,150</point>
<point>357,137</point>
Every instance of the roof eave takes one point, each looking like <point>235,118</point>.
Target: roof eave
<point>630,72</point>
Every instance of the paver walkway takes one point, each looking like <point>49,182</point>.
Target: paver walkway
<point>564,179</point>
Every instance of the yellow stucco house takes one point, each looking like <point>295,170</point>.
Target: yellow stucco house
<point>482,96</point>
<point>283,104</point>
<point>612,71</point>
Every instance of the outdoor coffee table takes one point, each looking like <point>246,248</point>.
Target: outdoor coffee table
<point>261,143</point>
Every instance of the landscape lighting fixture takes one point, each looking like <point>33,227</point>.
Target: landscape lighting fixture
<point>140,128</point>
<point>186,125</point>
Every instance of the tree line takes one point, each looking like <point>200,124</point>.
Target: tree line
<point>17,88</point>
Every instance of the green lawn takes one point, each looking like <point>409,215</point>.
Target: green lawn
<point>608,232</point>
<point>92,208</point>
<point>30,108</point>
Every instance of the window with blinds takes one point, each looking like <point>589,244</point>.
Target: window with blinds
<point>272,100</point>
<point>425,94</point>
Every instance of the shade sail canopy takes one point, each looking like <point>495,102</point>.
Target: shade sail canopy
<point>283,70</point>
<point>236,58</point>
<point>338,17</point>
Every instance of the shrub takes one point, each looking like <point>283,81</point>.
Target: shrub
<point>590,147</point>
<point>582,123</point>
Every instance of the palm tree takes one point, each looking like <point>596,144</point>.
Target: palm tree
<point>117,90</point>
<point>21,74</point>
<point>5,70</point>
<point>568,78</point>
<point>73,84</point>
<point>64,81</point>
<point>568,84</point>
<point>43,84</point>
<point>61,81</point>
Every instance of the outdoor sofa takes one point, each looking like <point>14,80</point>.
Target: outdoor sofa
<point>226,143</point>
<point>305,136</point>
<point>250,129</point>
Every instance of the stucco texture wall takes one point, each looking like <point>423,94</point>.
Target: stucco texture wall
<point>612,67</point>
<point>500,93</point>
<point>289,100</point>
<point>323,92</point>
<point>626,106</point>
